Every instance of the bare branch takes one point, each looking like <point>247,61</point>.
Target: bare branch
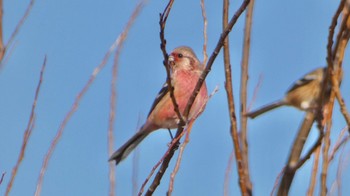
<point>310,151</point>
<point>297,147</point>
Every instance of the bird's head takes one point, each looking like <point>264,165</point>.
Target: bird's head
<point>184,58</point>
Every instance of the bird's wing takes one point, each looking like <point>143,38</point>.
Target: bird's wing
<point>161,94</point>
<point>306,80</point>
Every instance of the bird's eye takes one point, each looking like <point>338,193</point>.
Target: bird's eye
<point>180,55</point>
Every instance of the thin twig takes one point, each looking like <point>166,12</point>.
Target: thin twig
<point>334,75</point>
<point>313,180</point>
<point>243,95</point>
<point>2,177</point>
<point>326,146</point>
<point>255,92</point>
<point>337,74</point>
<point>278,179</point>
<point>179,158</point>
<point>112,109</point>
<point>28,130</point>
<point>162,23</point>
<point>17,28</point>
<point>231,104</point>
<point>336,185</point>
<point>340,142</point>
<point>205,37</point>
<point>228,174</point>
<point>2,47</point>
<point>80,95</point>
<point>187,139</point>
<point>342,105</point>
<point>175,143</point>
<point>170,152</point>
<point>334,22</point>
<point>161,161</point>
<point>341,38</point>
<point>135,164</point>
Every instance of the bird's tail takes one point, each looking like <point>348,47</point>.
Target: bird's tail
<point>129,146</point>
<point>266,108</point>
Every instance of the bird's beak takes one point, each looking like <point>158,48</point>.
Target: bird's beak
<point>171,60</point>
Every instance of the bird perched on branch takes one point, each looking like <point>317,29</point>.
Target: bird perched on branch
<point>185,70</point>
<point>304,93</point>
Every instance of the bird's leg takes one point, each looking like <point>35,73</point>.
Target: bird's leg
<point>171,134</point>
<point>172,137</point>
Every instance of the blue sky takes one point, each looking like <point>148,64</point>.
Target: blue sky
<point>288,40</point>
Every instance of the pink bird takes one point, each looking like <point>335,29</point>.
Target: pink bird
<point>185,72</point>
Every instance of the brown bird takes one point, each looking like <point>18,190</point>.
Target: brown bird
<point>304,94</point>
<point>185,72</point>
